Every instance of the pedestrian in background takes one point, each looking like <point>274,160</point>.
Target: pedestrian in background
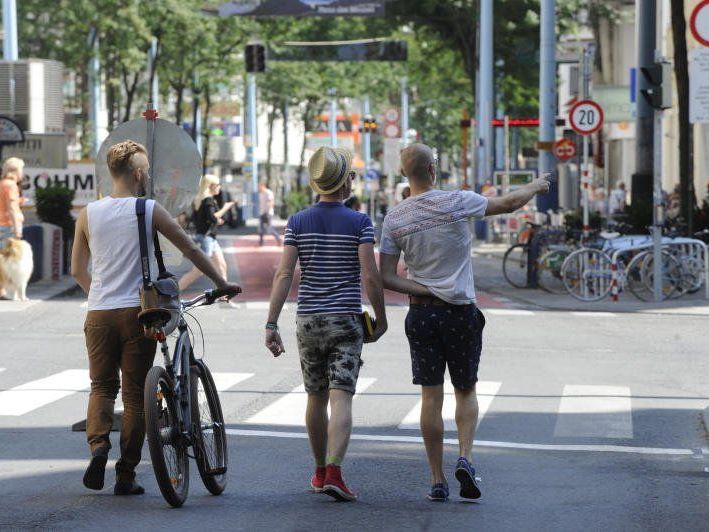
<point>444,327</point>
<point>617,200</point>
<point>335,247</point>
<point>107,236</point>
<point>266,212</point>
<point>11,217</point>
<point>207,217</point>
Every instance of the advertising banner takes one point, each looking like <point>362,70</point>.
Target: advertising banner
<point>301,8</point>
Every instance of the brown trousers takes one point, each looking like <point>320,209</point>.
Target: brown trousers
<point>115,341</point>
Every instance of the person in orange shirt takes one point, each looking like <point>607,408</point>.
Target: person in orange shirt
<point>11,217</point>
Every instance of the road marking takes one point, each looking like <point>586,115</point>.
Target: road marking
<point>486,392</point>
<point>32,395</point>
<point>17,306</point>
<point>259,305</point>
<point>597,411</point>
<point>225,380</point>
<point>509,312</point>
<point>2,369</point>
<point>290,409</point>
<point>594,314</point>
<point>664,451</point>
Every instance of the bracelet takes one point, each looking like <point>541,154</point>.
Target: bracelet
<point>272,326</point>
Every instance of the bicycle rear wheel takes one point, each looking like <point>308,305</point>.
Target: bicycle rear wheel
<point>672,284</point>
<point>210,433</point>
<point>168,451</point>
<point>549,271</point>
<point>587,274</point>
<point>514,265</point>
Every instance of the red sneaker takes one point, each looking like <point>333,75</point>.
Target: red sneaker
<point>335,487</point>
<point>318,480</point>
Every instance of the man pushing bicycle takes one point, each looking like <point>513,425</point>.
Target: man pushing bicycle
<point>107,235</point>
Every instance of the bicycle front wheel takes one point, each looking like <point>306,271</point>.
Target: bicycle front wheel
<point>587,274</point>
<point>514,265</point>
<point>210,432</point>
<point>168,451</point>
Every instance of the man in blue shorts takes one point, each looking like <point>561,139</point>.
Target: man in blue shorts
<point>335,247</point>
<point>443,326</point>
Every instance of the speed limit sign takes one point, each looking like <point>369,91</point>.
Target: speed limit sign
<point>586,117</point>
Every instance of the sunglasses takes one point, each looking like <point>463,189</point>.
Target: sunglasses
<point>352,175</point>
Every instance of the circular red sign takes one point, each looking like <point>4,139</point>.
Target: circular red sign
<point>586,117</point>
<point>564,149</point>
<point>693,19</point>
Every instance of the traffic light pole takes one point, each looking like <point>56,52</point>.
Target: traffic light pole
<point>588,52</point>
<point>252,141</point>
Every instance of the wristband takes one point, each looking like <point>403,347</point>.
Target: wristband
<point>272,326</point>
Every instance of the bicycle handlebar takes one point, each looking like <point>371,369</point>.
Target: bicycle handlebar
<point>210,296</point>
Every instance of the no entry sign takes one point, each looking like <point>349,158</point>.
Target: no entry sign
<point>699,22</point>
<point>564,149</point>
<point>586,117</point>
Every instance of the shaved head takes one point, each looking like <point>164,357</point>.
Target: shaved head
<point>416,160</point>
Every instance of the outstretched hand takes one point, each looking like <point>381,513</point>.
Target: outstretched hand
<point>542,184</point>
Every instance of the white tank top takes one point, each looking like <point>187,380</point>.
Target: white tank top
<point>116,275</point>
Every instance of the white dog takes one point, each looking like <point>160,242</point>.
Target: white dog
<point>16,265</point>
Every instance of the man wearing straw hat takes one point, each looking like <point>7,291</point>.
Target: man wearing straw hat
<point>335,247</point>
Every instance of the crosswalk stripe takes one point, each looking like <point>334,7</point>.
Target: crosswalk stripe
<point>595,411</point>
<point>32,395</point>
<point>594,314</point>
<point>223,380</point>
<point>290,410</point>
<point>509,312</point>
<point>486,391</point>
<point>2,369</point>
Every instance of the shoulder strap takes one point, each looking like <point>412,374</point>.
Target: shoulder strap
<point>162,271</point>
<point>143,240</point>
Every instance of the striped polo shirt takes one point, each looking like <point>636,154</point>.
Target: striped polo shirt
<point>328,236</point>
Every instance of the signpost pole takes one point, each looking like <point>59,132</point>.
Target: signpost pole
<point>506,180</point>
<point>9,19</point>
<point>95,81</point>
<point>587,54</point>
<point>367,158</point>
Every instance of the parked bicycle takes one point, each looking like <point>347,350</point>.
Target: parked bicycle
<point>182,409</point>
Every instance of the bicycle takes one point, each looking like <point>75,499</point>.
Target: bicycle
<point>182,409</point>
<point>515,260</point>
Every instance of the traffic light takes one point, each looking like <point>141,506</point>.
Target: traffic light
<point>369,124</point>
<point>659,76</point>
<point>255,57</point>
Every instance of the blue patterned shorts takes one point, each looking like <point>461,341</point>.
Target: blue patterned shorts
<point>441,336</point>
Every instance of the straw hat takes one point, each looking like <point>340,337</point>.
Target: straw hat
<point>328,169</point>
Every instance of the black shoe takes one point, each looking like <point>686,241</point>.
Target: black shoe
<point>93,477</point>
<point>128,488</point>
<point>465,474</point>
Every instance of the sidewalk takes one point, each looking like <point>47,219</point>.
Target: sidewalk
<point>40,291</point>
<point>487,264</point>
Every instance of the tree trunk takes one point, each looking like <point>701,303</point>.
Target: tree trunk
<point>269,146</point>
<point>686,167</point>
<point>130,88</point>
<point>206,131</point>
<point>306,121</point>
<point>180,96</point>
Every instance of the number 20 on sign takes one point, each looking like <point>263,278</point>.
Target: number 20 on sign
<point>586,117</point>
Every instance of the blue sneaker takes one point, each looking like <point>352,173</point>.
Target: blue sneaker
<point>465,474</point>
<point>439,492</point>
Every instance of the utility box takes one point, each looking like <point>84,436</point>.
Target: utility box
<point>32,94</point>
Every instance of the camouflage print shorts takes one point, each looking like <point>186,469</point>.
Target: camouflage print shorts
<point>330,347</point>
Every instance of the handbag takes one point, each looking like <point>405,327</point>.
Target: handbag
<point>159,299</point>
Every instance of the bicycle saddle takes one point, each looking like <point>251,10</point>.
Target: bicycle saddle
<point>154,317</point>
<point>607,235</point>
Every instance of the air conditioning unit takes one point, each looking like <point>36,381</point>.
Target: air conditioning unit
<point>31,93</point>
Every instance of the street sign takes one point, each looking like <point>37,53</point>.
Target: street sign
<point>699,86</point>
<point>699,22</point>
<point>564,149</point>
<point>392,131</point>
<point>10,132</point>
<point>586,117</point>
<point>391,114</point>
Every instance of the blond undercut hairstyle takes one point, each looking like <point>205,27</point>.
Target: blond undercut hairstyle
<point>120,157</point>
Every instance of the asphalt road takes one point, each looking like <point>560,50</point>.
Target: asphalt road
<point>591,422</point>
